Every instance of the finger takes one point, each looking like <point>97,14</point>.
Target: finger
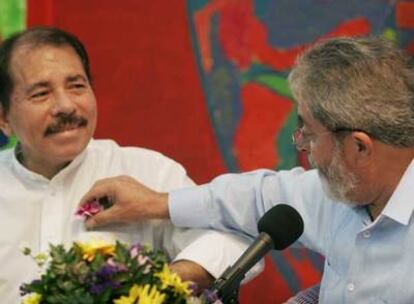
<point>101,188</point>
<point>101,219</point>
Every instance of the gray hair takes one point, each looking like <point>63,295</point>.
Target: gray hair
<point>363,84</point>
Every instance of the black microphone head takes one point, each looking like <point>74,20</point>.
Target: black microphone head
<point>283,224</point>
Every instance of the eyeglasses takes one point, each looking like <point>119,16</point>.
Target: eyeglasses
<point>300,140</point>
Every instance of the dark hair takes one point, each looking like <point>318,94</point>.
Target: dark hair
<point>35,37</point>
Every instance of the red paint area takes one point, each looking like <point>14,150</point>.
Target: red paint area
<point>263,114</point>
<point>269,287</point>
<point>404,14</point>
<point>410,48</point>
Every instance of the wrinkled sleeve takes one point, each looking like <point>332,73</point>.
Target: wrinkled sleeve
<point>214,251</point>
<point>235,203</point>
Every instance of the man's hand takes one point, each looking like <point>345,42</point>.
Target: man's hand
<point>191,271</point>
<point>131,201</point>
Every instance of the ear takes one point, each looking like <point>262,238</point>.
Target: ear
<point>362,145</point>
<point>4,123</point>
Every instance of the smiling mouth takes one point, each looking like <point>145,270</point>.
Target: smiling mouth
<point>60,128</point>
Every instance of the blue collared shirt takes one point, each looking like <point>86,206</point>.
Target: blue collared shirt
<point>366,262</point>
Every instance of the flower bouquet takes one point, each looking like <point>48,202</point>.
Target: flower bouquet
<point>105,273</point>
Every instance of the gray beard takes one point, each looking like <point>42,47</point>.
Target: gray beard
<point>337,182</point>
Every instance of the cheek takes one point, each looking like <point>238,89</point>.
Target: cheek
<point>315,155</point>
<point>28,123</point>
<point>320,158</point>
<point>88,106</point>
<point>92,116</point>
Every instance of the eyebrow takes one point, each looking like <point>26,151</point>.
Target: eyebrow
<point>76,78</point>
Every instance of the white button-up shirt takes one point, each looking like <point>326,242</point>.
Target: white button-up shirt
<point>366,262</point>
<point>36,212</point>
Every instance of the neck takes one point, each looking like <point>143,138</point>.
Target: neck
<point>391,168</point>
<point>44,168</point>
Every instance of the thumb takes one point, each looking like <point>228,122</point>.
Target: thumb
<point>100,219</point>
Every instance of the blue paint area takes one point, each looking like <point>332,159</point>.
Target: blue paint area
<point>293,22</point>
<point>223,89</point>
<point>3,140</point>
<point>288,272</point>
<point>196,5</point>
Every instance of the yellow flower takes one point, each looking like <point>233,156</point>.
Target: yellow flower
<point>171,279</point>
<point>33,298</point>
<point>91,249</point>
<point>145,295</point>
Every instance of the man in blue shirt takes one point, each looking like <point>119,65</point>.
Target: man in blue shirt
<point>356,113</point>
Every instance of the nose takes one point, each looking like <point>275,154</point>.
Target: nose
<point>305,147</point>
<point>301,143</point>
<point>62,104</point>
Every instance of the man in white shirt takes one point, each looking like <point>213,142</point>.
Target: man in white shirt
<point>47,101</point>
<point>356,113</point>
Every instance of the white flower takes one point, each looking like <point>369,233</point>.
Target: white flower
<point>24,247</point>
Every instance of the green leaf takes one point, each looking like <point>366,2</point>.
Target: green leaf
<point>121,253</point>
<point>97,262</point>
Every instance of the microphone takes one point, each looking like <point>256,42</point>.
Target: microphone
<point>279,227</point>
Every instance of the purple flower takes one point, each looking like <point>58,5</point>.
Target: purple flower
<point>97,288</point>
<point>89,209</point>
<point>104,278</point>
<point>107,271</point>
<point>211,296</point>
<point>193,288</point>
<point>135,250</point>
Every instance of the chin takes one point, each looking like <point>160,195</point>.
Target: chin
<point>340,193</point>
<point>67,153</point>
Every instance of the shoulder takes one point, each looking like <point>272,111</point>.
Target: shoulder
<point>6,157</point>
<point>109,146</point>
<point>144,164</point>
<point>6,161</point>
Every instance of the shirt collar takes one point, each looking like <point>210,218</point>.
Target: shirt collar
<point>401,204</point>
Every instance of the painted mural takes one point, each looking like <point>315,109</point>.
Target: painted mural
<point>245,49</point>
<point>12,19</point>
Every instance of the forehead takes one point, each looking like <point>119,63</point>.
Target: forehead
<point>305,118</point>
<point>34,63</point>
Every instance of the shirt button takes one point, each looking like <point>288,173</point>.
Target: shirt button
<point>350,287</point>
<point>367,234</point>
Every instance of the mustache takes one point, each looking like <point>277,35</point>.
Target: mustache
<point>65,121</point>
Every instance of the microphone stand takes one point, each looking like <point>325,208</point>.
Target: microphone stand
<point>228,284</point>
<point>227,287</point>
<point>279,227</point>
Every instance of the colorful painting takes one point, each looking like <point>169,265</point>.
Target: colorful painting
<point>245,49</point>
<point>12,19</point>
